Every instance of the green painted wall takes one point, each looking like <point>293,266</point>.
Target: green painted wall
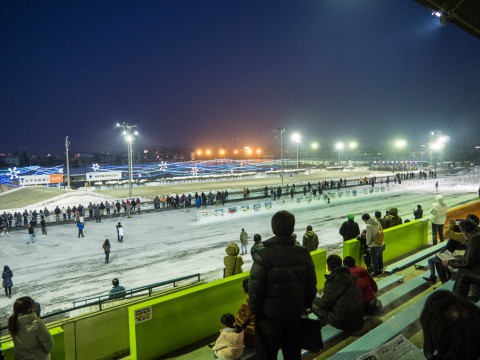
<point>399,240</point>
<point>190,315</point>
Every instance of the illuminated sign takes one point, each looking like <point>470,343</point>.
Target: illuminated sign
<point>103,175</point>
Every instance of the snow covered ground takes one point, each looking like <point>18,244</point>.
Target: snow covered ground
<point>60,268</point>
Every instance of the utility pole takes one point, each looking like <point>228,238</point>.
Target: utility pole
<point>67,144</point>
<point>281,151</point>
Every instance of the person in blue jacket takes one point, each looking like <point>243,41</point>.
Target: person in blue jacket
<point>7,281</point>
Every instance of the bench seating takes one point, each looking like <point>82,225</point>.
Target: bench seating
<point>412,259</point>
<point>422,265</point>
<point>387,331</point>
<point>396,293</point>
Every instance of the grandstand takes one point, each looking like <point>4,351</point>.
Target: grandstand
<point>191,313</point>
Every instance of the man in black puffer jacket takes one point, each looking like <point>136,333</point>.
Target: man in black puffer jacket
<point>282,285</point>
<point>341,304</point>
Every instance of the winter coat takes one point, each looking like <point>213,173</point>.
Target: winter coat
<point>310,241</point>
<point>282,279</point>
<point>121,232</point>
<point>229,345</point>
<point>106,247</point>
<point>418,214</point>
<point>233,262</point>
<point>32,340</point>
<point>7,277</point>
<point>365,282</point>
<point>371,230</point>
<point>471,260</point>
<point>349,230</point>
<point>392,219</point>
<point>439,211</point>
<point>449,233</point>
<point>246,319</point>
<point>341,304</point>
<point>244,238</point>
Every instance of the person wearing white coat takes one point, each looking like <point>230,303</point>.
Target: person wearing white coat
<point>438,216</point>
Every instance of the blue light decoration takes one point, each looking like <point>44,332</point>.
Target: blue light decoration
<point>13,173</point>
<point>154,171</point>
<point>163,166</point>
<point>10,176</point>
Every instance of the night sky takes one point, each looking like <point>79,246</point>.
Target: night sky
<point>218,73</point>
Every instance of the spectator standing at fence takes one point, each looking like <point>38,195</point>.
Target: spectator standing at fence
<point>246,318</point>
<point>106,249</point>
<point>349,229</point>
<point>341,304</point>
<point>282,285</point>
<point>376,250</point>
<point>96,212</point>
<point>233,262</point>
<point>7,276</point>
<point>243,242</point>
<point>392,219</point>
<point>450,327</point>
<point>43,225</point>
<point>128,208</point>
<point>90,210</point>
<point>418,214</point>
<point>310,239</point>
<point>57,212</point>
<point>439,216</point>
<point>30,336</point>
<point>117,291</point>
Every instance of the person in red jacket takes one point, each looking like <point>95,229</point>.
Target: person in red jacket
<point>365,282</point>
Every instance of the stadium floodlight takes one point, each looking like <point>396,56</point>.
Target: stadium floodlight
<point>400,143</point>
<point>129,135</point>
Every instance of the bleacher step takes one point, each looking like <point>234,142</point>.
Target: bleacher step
<point>387,331</point>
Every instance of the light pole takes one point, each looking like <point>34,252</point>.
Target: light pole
<point>339,146</point>
<point>315,147</point>
<point>67,144</point>
<point>281,151</point>
<point>353,146</point>
<point>129,137</point>
<point>296,137</point>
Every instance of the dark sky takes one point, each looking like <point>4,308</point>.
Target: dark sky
<point>202,73</point>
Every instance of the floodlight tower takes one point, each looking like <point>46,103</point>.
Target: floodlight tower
<point>339,146</point>
<point>129,136</point>
<point>297,137</point>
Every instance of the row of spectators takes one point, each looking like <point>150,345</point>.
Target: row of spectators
<point>282,288</point>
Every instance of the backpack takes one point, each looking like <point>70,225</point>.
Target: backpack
<point>379,236</point>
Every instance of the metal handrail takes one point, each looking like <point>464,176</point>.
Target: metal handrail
<point>100,299</point>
